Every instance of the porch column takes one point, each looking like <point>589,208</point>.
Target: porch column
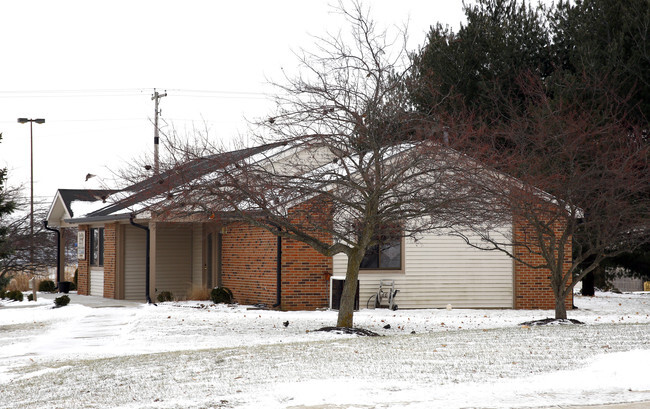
<point>64,234</point>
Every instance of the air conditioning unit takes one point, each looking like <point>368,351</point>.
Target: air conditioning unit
<point>336,290</point>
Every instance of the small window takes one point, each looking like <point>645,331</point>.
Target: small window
<point>387,254</point>
<point>97,247</point>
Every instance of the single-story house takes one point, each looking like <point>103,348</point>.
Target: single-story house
<point>259,268</point>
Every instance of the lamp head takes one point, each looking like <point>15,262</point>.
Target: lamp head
<point>25,120</point>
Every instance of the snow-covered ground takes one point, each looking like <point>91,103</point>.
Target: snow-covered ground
<point>198,355</point>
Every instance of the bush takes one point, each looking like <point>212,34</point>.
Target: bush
<point>62,301</point>
<point>47,286</point>
<point>2,294</point>
<point>4,282</point>
<point>73,286</point>
<point>76,277</point>
<point>15,295</point>
<point>221,295</point>
<point>165,296</point>
<point>30,297</point>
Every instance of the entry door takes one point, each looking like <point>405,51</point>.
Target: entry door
<point>218,259</point>
<point>209,259</point>
<point>213,259</point>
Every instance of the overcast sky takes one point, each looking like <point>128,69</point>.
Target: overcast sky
<point>89,68</point>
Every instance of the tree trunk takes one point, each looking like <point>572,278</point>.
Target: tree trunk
<point>588,285</point>
<point>346,309</point>
<point>560,306</point>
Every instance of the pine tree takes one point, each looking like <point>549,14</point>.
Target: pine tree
<point>7,206</point>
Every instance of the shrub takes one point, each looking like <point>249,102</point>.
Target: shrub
<point>4,282</point>
<point>30,297</point>
<point>47,286</point>
<point>62,301</point>
<point>76,277</point>
<point>2,294</point>
<point>15,295</point>
<point>165,296</point>
<point>73,286</point>
<point>221,295</point>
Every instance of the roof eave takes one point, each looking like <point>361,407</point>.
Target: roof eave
<point>95,219</point>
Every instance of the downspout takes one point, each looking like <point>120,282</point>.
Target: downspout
<point>278,273</point>
<point>58,251</point>
<point>148,246</point>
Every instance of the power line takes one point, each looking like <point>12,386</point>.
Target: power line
<point>68,93</point>
<point>74,93</point>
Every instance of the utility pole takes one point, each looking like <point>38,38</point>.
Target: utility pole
<point>156,98</point>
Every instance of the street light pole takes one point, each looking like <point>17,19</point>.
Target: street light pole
<point>31,182</point>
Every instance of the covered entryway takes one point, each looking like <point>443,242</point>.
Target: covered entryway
<point>174,258</point>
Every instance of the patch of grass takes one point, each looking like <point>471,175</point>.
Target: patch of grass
<point>19,282</point>
<point>198,294</point>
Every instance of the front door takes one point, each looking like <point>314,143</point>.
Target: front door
<point>209,259</point>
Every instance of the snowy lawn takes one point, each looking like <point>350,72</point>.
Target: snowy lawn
<point>198,355</point>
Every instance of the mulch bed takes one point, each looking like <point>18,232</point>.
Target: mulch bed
<point>352,331</point>
<point>552,321</point>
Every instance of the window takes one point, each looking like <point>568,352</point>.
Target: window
<point>385,255</point>
<point>97,247</point>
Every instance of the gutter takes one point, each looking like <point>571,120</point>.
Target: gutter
<point>92,219</point>
<point>147,261</point>
<point>58,251</point>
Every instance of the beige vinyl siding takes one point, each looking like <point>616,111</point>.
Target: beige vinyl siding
<point>174,258</point>
<point>97,281</point>
<point>135,247</point>
<point>441,270</point>
<point>197,254</point>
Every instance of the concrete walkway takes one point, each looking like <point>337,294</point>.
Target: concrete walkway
<point>636,405</point>
<point>89,300</point>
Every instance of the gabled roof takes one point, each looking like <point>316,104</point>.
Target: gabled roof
<point>69,203</point>
<point>71,195</point>
<point>168,180</point>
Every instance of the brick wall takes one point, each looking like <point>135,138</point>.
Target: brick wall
<point>110,253</point>
<point>248,263</point>
<point>305,277</point>
<point>83,285</point>
<point>533,285</point>
<point>306,272</point>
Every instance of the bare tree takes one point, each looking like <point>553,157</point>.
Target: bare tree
<point>582,179</point>
<point>18,243</point>
<point>347,165</point>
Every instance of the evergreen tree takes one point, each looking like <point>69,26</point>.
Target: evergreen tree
<point>7,206</point>
<point>479,67</point>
